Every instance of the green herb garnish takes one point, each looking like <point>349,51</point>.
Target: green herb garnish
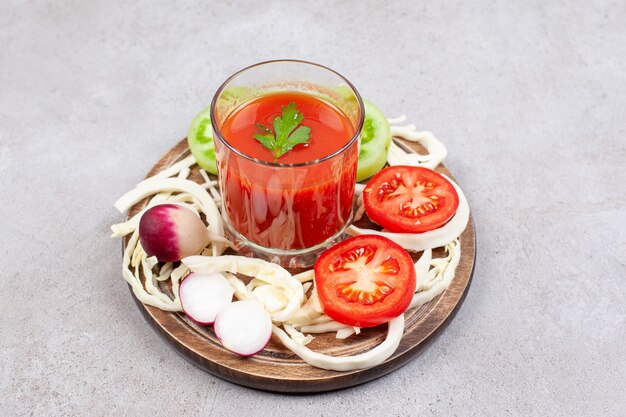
<point>285,135</point>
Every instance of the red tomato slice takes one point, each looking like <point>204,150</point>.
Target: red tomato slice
<point>365,281</point>
<point>408,199</point>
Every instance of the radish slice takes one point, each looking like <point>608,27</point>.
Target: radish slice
<point>203,296</point>
<point>244,327</point>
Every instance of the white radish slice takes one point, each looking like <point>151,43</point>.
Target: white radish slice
<point>244,327</point>
<point>203,296</point>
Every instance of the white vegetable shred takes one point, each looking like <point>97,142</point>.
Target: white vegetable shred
<point>290,300</point>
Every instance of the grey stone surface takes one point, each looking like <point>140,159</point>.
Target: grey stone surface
<point>529,98</point>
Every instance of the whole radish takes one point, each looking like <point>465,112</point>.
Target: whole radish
<point>171,232</point>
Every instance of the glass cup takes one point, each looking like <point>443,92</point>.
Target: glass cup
<point>286,213</point>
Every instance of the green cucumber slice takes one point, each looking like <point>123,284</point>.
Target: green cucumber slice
<point>375,142</point>
<point>200,141</point>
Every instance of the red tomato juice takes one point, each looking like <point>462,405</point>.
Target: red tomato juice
<point>284,207</point>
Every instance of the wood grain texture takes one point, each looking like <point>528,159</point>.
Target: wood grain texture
<point>276,368</point>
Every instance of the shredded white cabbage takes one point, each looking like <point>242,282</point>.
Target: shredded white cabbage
<point>348,363</point>
<point>166,270</point>
<point>396,120</point>
<point>360,208</point>
<point>281,294</point>
<point>271,273</point>
<point>135,283</point>
<point>297,336</point>
<point>421,268</point>
<point>271,297</point>
<point>330,326</point>
<point>305,276</point>
<point>446,269</point>
<point>176,168</point>
<point>309,312</point>
<point>345,333</point>
<point>437,152</point>
<point>241,292</point>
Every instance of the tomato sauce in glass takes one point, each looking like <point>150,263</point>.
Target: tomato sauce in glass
<point>288,207</point>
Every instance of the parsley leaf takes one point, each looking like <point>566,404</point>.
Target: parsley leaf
<point>286,133</point>
<point>267,139</point>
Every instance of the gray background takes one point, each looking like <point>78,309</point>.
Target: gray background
<point>529,98</point>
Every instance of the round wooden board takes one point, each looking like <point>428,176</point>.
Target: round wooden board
<point>276,368</point>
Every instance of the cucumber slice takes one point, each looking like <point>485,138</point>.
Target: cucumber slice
<point>200,141</point>
<point>375,142</point>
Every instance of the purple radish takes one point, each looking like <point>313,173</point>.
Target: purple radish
<point>170,232</point>
<point>244,327</point>
<point>203,296</point>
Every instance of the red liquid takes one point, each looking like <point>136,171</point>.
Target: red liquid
<point>330,128</point>
<point>288,207</point>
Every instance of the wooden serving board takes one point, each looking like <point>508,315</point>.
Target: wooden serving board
<point>278,369</point>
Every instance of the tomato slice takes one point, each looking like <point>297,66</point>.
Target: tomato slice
<point>409,199</point>
<point>365,281</point>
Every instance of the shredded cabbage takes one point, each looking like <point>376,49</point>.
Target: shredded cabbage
<point>348,363</point>
<point>285,296</point>
<point>445,271</point>
<point>436,151</point>
<point>135,283</point>
<point>271,273</point>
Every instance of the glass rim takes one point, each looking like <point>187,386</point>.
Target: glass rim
<point>218,133</point>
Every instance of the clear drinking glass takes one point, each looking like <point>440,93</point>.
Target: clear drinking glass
<point>286,213</point>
